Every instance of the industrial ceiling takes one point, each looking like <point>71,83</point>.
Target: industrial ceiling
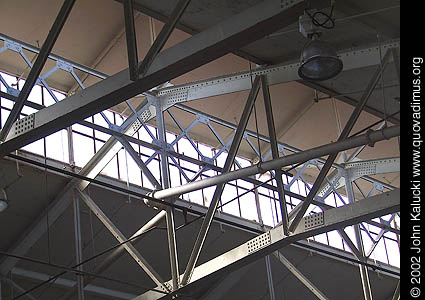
<point>306,115</point>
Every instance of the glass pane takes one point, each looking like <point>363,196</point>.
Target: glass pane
<point>36,147</point>
<point>48,99</point>
<point>82,129</point>
<point>10,80</point>
<point>208,195</point>
<point>321,238</point>
<point>7,103</point>
<point>57,146</point>
<point>26,110</point>
<point>35,95</point>
<point>196,197</point>
<point>111,168</point>
<point>393,252</point>
<point>335,239</point>
<point>83,149</point>
<point>248,207</point>
<point>229,193</point>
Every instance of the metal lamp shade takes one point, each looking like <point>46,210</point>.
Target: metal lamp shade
<point>319,61</point>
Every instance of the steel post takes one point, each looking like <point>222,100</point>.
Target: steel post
<point>364,273</point>
<point>275,152</point>
<point>396,295</point>
<point>165,177</point>
<point>270,278</point>
<point>220,186</point>
<point>271,241</point>
<point>121,238</point>
<point>117,253</point>
<point>163,36</point>
<point>300,276</point>
<point>142,166</point>
<point>78,246</point>
<point>17,287</point>
<point>218,40</point>
<point>37,67</point>
<point>130,35</point>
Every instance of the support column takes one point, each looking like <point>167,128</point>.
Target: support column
<point>130,35</point>
<point>270,278</point>
<point>300,276</point>
<point>78,246</point>
<point>135,254</point>
<point>163,36</point>
<point>397,292</point>
<point>165,178</point>
<point>364,274</point>
<point>220,186</point>
<point>37,67</point>
<point>275,152</point>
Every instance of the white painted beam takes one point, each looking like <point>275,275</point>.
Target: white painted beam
<point>273,240</point>
<point>286,72</point>
<point>224,37</point>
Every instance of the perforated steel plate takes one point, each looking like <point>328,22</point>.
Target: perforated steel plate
<point>259,242</point>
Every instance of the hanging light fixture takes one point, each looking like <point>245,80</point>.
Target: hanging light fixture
<point>319,61</point>
<point>3,200</point>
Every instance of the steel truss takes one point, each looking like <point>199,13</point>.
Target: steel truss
<point>331,218</point>
<point>283,150</point>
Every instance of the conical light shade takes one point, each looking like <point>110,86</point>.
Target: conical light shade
<point>319,61</point>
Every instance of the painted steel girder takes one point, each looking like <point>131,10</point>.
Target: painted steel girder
<point>233,33</point>
<point>285,72</point>
<point>265,244</point>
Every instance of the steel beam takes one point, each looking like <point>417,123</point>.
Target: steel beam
<point>273,240</point>
<point>54,57</point>
<point>270,278</point>
<point>246,226</point>
<point>284,261</point>
<point>344,134</point>
<point>78,246</point>
<point>163,18</point>
<point>130,34</point>
<point>62,200</point>
<point>332,177</point>
<point>396,295</point>
<point>241,29</point>
<point>121,238</point>
<point>364,273</point>
<point>136,158</point>
<point>276,74</point>
<point>369,138</point>
<point>396,60</point>
<point>165,177</point>
<point>275,152</point>
<point>37,67</point>
<point>218,291</point>
<point>358,169</point>
<point>62,282</point>
<point>116,254</point>
<point>17,287</point>
<point>220,186</point>
<point>163,36</point>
